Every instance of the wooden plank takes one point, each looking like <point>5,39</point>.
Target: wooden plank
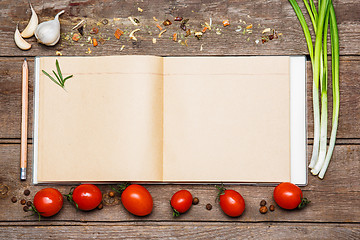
<point>275,14</point>
<point>186,231</point>
<point>10,98</point>
<point>334,199</point>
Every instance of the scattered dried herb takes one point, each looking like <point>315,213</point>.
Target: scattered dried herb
<point>188,33</point>
<point>118,33</point>
<point>105,21</point>
<point>60,80</point>
<point>167,22</point>
<point>95,43</point>
<point>204,29</point>
<point>159,27</point>
<point>76,37</point>
<point>183,24</point>
<point>198,35</point>
<point>161,33</point>
<point>94,30</point>
<point>136,20</point>
<point>101,40</point>
<point>226,22</point>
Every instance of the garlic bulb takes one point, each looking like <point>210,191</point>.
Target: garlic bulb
<point>48,33</point>
<point>31,27</point>
<point>19,41</point>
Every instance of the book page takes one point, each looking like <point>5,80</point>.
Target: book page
<point>107,123</point>
<point>226,119</point>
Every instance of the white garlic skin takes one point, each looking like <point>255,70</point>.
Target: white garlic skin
<point>48,33</point>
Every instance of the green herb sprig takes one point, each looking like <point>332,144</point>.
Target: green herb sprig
<point>322,18</point>
<point>59,77</point>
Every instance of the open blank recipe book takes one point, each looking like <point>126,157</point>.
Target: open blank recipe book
<point>171,119</point>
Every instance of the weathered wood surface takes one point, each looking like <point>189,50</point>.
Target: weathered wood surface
<point>10,98</point>
<point>336,199</point>
<point>335,209</point>
<point>186,231</point>
<point>276,14</point>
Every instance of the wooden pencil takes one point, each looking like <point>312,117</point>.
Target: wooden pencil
<point>24,118</point>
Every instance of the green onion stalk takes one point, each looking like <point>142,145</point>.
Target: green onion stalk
<point>318,55</point>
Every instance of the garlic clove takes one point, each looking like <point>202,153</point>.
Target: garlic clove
<point>19,41</point>
<point>48,33</point>
<point>31,27</point>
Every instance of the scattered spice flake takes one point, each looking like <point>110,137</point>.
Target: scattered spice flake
<point>105,21</point>
<point>167,22</point>
<point>116,19</point>
<point>218,31</point>
<point>154,40</point>
<point>140,9</point>
<point>122,47</point>
<point>266,30</point>
<point>118,33</point>
<point>155,19</point>
<point>226,22</point>
<point>80,24</point>
<point>188,33</point>
<point>178,19</point>
<point>257,41</point>
<point>81,30</point>
<point>95,43</point>
<point>131,35</point>
<point>249,26</point>
<point>174,38</point>
<point>204,29</point>
<point>101,40</point>
<point>238,29</point>
<point>58,53</point>
<point>161,33</point>
<point>94,30</point>
<point>159,27</point>
<point>88,51</point>
<point>88,39</point>
<point>76,37</point>
<point>132,21</point>
<point>198,35</point>
<point>136,20</point>
<point>208,25</point>
<point>201,47</point>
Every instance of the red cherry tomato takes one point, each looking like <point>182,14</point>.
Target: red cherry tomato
<point>48,202</point>
<point>181,201</point>
<point>232,203</point>
<point>86,197</point>
<point>289,196</point>
<point>137,200</point>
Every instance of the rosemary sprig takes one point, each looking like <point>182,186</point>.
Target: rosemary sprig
<point>59,77</point>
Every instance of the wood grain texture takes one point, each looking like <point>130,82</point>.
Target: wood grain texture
<point>186,231</point>
<point>10,98</point>
<point>334,212</point>
<point>335,199</point>
<point>276,14</point>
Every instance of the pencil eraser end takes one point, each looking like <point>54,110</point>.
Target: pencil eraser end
<point>23,174</point>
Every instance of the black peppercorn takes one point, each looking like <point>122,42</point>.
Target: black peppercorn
<point>27,192</point>
<point>208,206</point>
<point>23,202</point>
<point>28,203</point>
<point>14,199</point>
<point>272,208</point>
<point>100,206</point>
<point>26,208</point>
<point>111,194</point>
<point>262,203</point>
<point>195,201</point>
